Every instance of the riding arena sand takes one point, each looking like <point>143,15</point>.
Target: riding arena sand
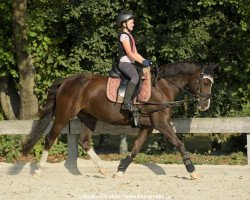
<point>61,181</point>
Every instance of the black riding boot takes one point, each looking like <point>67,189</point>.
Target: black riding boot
<point>126,105</point>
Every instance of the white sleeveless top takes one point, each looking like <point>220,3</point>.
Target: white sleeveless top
<point>125,58</point>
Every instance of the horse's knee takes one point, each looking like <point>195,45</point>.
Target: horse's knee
<point>181,147</point>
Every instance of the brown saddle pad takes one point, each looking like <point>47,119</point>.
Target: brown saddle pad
<point>144,93</point>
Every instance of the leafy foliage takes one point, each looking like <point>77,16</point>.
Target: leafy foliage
<point>7,61</point>
<point>67,37</point>
<point>238,142</point>
<point>10,147</point>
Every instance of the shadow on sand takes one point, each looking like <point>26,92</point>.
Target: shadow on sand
<point>156,169</point>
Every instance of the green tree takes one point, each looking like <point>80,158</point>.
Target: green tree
<point>9,99</point>
<point>67,37</point>
<point>24,61</point>
<point>16,64</point>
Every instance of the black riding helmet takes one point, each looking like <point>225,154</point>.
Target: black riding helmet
<point>124,16</point>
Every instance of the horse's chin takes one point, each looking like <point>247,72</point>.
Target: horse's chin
<point>203,108</point>
<point>204,105</point>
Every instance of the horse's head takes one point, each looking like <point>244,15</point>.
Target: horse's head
<point>196,77</point>
<point>205,84</point>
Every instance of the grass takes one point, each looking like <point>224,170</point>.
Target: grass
<point>198,159</point>
<point>199,147</point>
<point>142,158</point>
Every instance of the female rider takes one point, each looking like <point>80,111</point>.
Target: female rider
<point>128,54</point>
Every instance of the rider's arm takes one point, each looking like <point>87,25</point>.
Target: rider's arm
<point>134,56</point>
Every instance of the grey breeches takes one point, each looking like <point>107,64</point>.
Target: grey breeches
<point>130,71</point>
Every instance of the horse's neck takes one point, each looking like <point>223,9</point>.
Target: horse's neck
<point>178,82</point>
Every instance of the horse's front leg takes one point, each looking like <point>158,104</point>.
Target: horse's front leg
<point>165,127</point>
<point>124,163</point>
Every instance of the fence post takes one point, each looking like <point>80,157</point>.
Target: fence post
<point>71,162</point>
<point>123,144</point>
<point>72,140</point>
<point>248,148</point>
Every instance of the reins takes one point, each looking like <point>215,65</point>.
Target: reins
<point>194,97</point>
<point>164,105</point>
<point>182,89</point>
<point>170,103</point>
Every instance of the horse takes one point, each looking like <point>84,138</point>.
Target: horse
<point>84,96</point>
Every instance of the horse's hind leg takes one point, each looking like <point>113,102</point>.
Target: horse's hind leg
<point>49,141</point>
<point>140,140</point>
<point>85,140</point>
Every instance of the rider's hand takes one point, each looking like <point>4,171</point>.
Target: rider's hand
<point>147,63</point>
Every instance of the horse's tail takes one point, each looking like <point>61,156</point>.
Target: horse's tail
<point>45,117</point>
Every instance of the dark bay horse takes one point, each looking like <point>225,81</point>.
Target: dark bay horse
<point>84,96</point>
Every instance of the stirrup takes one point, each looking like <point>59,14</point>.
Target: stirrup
<point>127,106</point>
<point>136,115</point>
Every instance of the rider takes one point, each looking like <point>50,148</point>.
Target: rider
<point>128,54</point>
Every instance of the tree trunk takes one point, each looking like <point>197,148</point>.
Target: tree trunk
<point>28,100</point>
<point>9,99</point>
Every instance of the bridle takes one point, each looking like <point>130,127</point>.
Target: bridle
<point>200,82</point>
<point>198,94</point>
<point>194,96</point>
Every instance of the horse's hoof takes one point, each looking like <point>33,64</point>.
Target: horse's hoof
<point>37,173</point>
<point>195,175</point>
<point>118,175</point>
<point>103,171</point>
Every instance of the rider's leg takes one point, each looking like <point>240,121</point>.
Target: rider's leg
<point>129,70</point>
<point>126,105</point>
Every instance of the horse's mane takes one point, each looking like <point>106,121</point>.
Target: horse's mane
<point>183,67</point>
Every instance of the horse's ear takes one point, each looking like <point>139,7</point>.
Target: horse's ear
<point>210,68</point>
<point>213,65</point>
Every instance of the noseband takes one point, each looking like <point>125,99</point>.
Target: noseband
<point>202,77</point>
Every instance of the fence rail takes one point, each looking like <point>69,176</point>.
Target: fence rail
<point>180,125</point>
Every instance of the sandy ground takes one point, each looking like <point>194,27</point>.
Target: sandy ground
<point>150,181</point>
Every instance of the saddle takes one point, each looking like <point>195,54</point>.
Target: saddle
<point>117,85</point>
